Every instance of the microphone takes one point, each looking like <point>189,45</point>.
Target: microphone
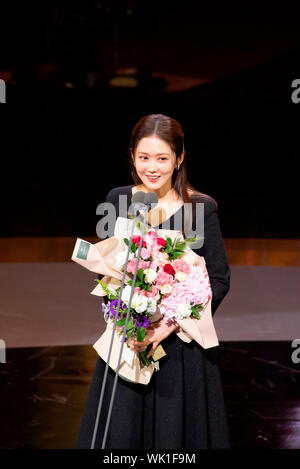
<point>142,201</point>
<point>138,197</point>
<point>151,198</point>
<point>137,203</point>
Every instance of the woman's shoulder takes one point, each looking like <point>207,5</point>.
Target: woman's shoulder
<point>116,191</point>
<point>201,197</point>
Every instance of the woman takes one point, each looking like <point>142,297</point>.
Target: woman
<point>183,405</point>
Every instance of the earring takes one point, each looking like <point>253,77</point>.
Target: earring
<point>178,167</point>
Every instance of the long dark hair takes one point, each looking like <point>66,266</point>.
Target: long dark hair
<point>169,130</point>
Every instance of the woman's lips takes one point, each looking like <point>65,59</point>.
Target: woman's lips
<point>152,180</point>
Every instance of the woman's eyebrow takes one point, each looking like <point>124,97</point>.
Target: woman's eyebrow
<point>157,154</point>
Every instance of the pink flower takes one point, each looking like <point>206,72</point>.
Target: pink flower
<point>152,242</point>
<point>196,288</point>
<point>163,255</point>
<point>153,266</point>
<point>136,239</point>
<point>132,263</point>
<point>154,293</point>
<point>181,265</point>
<point>169,269</point>
<point>143,292</point>
<point>145,253</point>
<point>164,278</point>
<point>161,242</point>
<point>161,258</point>
<point>150,238</point>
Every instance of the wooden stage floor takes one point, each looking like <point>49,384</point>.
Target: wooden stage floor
<point>240,251</point>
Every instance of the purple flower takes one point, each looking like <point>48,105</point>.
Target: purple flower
<point>114,306</point>
<point>141,321</point>
<point>146,322</point>
<point>105,308</point>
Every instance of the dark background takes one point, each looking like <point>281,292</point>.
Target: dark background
<point>65,130</point>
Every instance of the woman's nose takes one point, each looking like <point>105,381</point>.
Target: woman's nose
<point>152,166</point>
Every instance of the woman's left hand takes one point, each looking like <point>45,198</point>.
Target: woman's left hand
<point>155,333</point>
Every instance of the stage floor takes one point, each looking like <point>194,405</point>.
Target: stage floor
<point>44,389</point>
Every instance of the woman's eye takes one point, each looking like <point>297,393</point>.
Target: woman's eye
<point>143,157</point>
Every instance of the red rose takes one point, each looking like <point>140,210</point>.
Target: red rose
<point>169,269</point>
<point>161,242</point>
<point>136,239</point>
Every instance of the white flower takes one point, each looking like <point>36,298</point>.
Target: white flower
<point>166,289</point>
<point>150,275</point>
<point>151,308</point>
<point>112,290</point>
<point>121,259</point>
<point>183,311</point>
<point>126,294</point>
<point>140,303</point>
<point>133,301</point>
<point>190,257</point>
<point>181,276</point>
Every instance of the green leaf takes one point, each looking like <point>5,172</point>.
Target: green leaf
<point>129,325</point>
<point>140,335</point>
<point>190,240</point>
<point>198,307</point>
<point>109,294</point>
<point>129,282</point>
<point>133,247</point>
<point>195,314</point>
<point>175,254</point>
<point>140,274</point>
<point>130,333</point>
<point>181,245</point>
<point>148,287</point>
<point>126,241</point>
<point>139,224</point>
<point>168,244</point>
<point>121,322</point>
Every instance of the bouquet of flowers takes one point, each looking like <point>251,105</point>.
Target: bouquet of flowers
<point>166,281</point>
<point>172,283</point>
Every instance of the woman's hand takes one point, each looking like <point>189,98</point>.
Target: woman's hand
<point>155,333</point>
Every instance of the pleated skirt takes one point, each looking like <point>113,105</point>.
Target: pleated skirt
<point>182,407</point>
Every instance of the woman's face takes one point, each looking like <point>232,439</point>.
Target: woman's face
<point>155,163</point>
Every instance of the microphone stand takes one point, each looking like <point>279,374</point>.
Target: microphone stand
<point>124,333</point>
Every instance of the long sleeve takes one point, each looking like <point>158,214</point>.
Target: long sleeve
<point>214,254</point>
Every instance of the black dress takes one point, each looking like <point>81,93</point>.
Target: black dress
<point>183,405</point>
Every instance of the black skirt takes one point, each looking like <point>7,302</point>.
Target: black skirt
<point>181,408</point>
